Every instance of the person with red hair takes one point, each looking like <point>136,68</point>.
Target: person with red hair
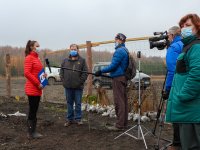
<point>183,105</point>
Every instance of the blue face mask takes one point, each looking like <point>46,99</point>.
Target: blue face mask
<point>37,50</point>
<point>187,31</point>
<point>73,53</point>
<point>116,44</point>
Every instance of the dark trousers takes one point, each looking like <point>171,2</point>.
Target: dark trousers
<point>190,136</point>
<point>176,134</point>
<point>120,100</point>
<point>33,107</point>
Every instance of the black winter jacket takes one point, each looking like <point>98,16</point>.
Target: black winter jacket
<point>73,79</point>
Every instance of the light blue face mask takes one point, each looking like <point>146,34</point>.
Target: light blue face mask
<point>38,50</point>
<point>73,53</point>
<point>187,31</point>
<point>116,44</point>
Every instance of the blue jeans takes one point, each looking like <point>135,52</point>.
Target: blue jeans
<point>73,96</point>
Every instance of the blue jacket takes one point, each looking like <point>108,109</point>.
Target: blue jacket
<point>173,51</point>
<point>119,62</point>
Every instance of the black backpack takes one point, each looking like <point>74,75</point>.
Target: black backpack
<point>131,69</point>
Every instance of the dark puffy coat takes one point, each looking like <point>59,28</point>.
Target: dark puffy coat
<point>73,79</point>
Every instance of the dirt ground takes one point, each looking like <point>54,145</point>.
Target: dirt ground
<point>56,136</point>
<point>55,93</point>
<point>93,135</point>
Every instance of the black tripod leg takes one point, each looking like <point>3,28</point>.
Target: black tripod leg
<point>157,146</point>
<point>159,108</point>
<point>158,116</point>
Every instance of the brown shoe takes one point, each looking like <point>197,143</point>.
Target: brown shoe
<point>114,128</point>
<point>173,148</point>
<point>68,123</point>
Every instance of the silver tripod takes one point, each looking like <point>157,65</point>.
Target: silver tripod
<point>140,133</point>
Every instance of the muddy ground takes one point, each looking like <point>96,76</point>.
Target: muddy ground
<point>57,137</point>
<point>92,135</point>
<point>55,93</point>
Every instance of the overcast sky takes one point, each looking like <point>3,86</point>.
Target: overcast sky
<point>58,23</point>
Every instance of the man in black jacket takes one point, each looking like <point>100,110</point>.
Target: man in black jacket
<point>73,83</point>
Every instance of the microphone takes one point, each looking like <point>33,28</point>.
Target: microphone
<point>48,65</point>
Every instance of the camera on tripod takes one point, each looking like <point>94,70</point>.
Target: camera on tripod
<point>160,40</point>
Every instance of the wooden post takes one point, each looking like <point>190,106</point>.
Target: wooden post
<point>89,64</point>
<point>8,75</point>
<point>43,98</point>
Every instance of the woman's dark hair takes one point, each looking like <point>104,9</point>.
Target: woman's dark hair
<point>28,47</point>
<point>195,20</point>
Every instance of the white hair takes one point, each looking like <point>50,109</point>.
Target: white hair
<point>175,30</point>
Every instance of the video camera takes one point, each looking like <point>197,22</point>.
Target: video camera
<point>156,40</point>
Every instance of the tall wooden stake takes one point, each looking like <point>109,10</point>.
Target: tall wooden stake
<point>8,75</point>
<point>89,63</point>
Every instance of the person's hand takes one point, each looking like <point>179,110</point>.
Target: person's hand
<point>40,87</point>
<point>98,73</point>
<point>45,75</point>
<point>165,95</point>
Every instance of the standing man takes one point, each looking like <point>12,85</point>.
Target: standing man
<point>117,70</point>
<point>173,51</point>
<point>73,83</point>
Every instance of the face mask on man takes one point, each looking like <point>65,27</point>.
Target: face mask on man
<point>117,44</point>
<point>186,32</point>
<point>73,53</point>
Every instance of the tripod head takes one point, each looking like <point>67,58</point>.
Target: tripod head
<point>139,54</point>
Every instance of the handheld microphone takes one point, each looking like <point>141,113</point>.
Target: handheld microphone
<point>48,65</point>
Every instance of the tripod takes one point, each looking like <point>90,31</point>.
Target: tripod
<point>140,133</point>
<point>160,119</point>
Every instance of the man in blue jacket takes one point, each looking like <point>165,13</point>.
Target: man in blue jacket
<point>173,51</point>
<point>117,70</point>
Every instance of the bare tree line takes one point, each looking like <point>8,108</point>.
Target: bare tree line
<point>150,65</point>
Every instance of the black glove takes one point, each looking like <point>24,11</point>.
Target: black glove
<point>98,73</point>
<point>165,95</point>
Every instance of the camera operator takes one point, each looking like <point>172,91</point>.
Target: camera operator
<point>73,83</point>
<point>183,105</point>
<point>174,49</point>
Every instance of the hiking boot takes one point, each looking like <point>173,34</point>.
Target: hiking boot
<point>35,134</point>
<point>32,134</point>
<point>173,148</point>
<point>114,128</point>
<point>68,123</point>
<point>79,123</point>
<point>30,129</point>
